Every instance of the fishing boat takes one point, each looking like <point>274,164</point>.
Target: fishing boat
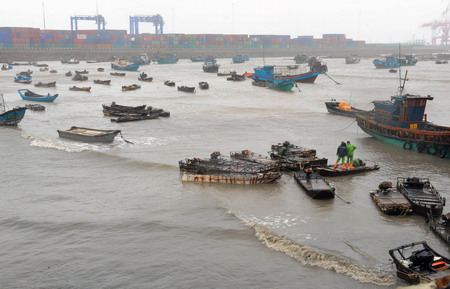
<point>75,88</point>
<point>89,134</point>
<point>26,94</point>
<point>198,59</point>
<point>69,73</point>
<point>282,85</point>
<point>342,108</point>
<point>211,67</point>
<point>35,107</point>
<point>23,77</point>
<point>314,185</point>
<point>169,83</point>
<point>123,64</point>
<point>331,171</point>
<point>301,58</point>
<point>418,262</point>
<point>267,72</point>
<point>186,88</point>
<point>79,77</point>
<point>7,67</point>
<point>423,197</point>
<point>203,85</point>
<point>48,84</point>
<point>10,116</point>
<point>352,59</point>
<point>81,72</point>
<point>402,121</point>
<point>144,77</point>
<point>142,59</point>
<point>130,87</point>
<point>238,59</point>
<point>104,82</point>
<point>393,62</point>
<point>100,69</point>
<point>236,77</point>
<point>70,61</point>
<point>117,73</point>
<point>167,59</point>
<point>440,225</point>
<point>390,201</point>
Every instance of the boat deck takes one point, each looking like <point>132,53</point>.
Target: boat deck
<point>391,202</point>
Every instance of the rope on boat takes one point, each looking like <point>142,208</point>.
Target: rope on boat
<point>298,87</point>
<point>332,78</point>
<point>347,126</point>
<point>341,198</point>
<point>125,139</point>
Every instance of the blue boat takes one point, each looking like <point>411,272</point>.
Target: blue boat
<point>238,59</point>
<point>12,116</point>
<point>141,59</point>
<point>282,84</point>
<point>267,72</point>
<point>27,94</point>
<point>169,59</point>
<point>394,62</point>
<point>246,57</point>
<point>124,65</point>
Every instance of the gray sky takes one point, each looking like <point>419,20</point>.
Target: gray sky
<point>371,20</point>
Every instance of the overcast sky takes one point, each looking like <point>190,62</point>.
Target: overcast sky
<point>372,20</point>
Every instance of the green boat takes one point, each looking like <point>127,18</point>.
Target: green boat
<point>282,84</point>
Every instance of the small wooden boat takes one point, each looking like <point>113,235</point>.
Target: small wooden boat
<point>100,69</point>
<point>390,201</point>
<point>75,88</point>
<point>43,69</point>
<point>236,77</point>
<point>104,82</point>
<point>11,116</point>
<point>440,225</point>
<point>23,80</point>
<point>143,77</point>
<point>418,262</point>
<point>130,87</point>
<point>393,70</point>
<point>423,197</point>
<point>203,85</point>
<point>134,117</point>
<point>26,94</point>
<point>35,107</point>
<point>81,72</point>
<point>331,171</point>
<point>53,71</point>
<point>117,73</point>
<point>342,108</point>
<point>231,178</point>
<point>186,88</point>
<point>89,134</point>
<point>169,83</point>
<point>315,186</point>
<point>69,73</point>
<point>79,77</point>
<point>122,108</point>
<point>441,61</point>
<point>48,84</point>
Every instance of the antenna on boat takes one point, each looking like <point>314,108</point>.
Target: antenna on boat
<point>43,12</point>
<point>401,86</point>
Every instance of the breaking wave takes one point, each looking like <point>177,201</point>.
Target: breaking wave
<point>314,257</point>
<point>52,144</point>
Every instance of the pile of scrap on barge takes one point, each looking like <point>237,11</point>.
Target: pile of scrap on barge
<point>295,157</point>
<point>220,170</point>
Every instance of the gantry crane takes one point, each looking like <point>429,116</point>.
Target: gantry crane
<point>157,21</point>
<point>440,28</point>
<point>99,20</point>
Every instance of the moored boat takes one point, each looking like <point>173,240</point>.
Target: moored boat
<point>123,64</point>
<point>301,58</point>
<point>314,185</point>
<point>42,69</point>
<point>100,69</point>
<point>144,77</point>
<point>79,77</point>
<point>226,73</point>
<point>342,108</point>
<point>48,84</point>
<point>238,59</point>
<point>236,77</point>
<point>394,62</point>
<point>10,116</point>
<point>53,71</point>
<point>169,83</point>
<point>117,73</point>
<point>203,85</point>
<point>75,88</point>
<point>282,85</point>
<point>142,59</point>
<point>423,197</point>
<point>70,61</point>
<point>69,73</point>
<point>331,171</point>
<point>211,67</point>
<point>35,107</point>
<point>186,88</point>
<point>81,72</point>
<point>104,82</point>
<point>26,94</point>
<point>390,201</point>
<point>418,262</point>
<point>89,134</point>
<point>232,178</point>
<point>167,59</point>
<point>267,72</point>
<point>7,67</point>
<point>198,59</point>
<point>352,59</point>
<point>130,87</point>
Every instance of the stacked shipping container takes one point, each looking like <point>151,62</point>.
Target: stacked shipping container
<point>12,37</point>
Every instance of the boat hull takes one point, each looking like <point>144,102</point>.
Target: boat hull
<point>50,98</point>
<point>13,116</point>
<point>308,77</point>
<point>315,187</point>
<point>238,179</point>
<point>130,67</point>
<point>104,138</point>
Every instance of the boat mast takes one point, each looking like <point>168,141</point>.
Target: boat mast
<point>400,88</point>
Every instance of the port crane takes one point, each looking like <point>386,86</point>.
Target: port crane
<point>99,20</point>
<point>440,28</point>
<point>157,21</point>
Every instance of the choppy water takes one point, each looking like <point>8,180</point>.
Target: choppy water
<point>77,215</point>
